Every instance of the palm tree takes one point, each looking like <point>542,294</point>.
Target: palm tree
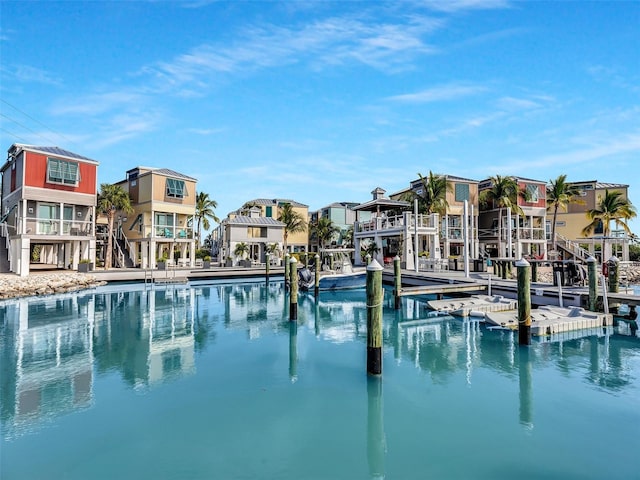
<point>559,195</point>
<point>111,199</point>
<point>612,207</point>
<point>502,194</point>
<point>433,198</point>
<point>204,211</point>
<point>241,250</point>
<point>293,221</point>
<point>325,230</point>
<point>370,248</point>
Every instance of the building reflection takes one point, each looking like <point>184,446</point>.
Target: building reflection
<point>147,335</point>
<point>47,362</point>
<point>50,348</point>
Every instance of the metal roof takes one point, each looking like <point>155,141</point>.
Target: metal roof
<point>262,221</point>
<point>275,201</point>
<point>381,204</point>
<point>171,173</point>
<point>57,151</point>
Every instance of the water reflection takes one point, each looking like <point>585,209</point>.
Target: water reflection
<point>53,348</point>
<point>376,441</point>
<point>47,361</point>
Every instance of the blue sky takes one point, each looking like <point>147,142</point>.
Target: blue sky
<point>324,101</point>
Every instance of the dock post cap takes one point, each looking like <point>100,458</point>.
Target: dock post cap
<point>591,259</point>
<point>293,260</point>
<point>397,257</point>
<point>522,263</point>
<point>374,266</point>
<point>613,259</point>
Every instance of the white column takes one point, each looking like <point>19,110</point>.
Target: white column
<point>465,236</point>
<point>415,235</point>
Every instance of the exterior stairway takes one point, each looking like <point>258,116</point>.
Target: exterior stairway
<point>572,248</point>
<point>5,266</point>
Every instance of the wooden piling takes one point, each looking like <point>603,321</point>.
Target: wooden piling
<point>524,302</point>
<point>614,274</point>
<point>592,275</point>
<point>286,270</point>
<point>293,282</point>
<point>397,281</point>
<point>534,272</point>
<point>266,266</point>
<point>374,318</point>
<point>316,288</point>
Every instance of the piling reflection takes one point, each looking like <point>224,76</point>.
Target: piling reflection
<point>376,442</point>
<point>293,351</point>
<point>525,376</point>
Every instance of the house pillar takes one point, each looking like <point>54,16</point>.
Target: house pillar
<point>21,256</point>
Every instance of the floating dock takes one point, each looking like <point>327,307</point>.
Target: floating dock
<point>473,305</point>
<point>549,320</point>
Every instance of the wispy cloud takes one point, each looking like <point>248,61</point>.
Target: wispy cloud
<point>452,6</point>
<point>439,93</point>
<point>334,41</point>
<point>206,131</point>
<point>98,103</point>
<point>29,74</point>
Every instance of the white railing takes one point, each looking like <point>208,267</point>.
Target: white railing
<point>572,247</point>
<point>397,222</point>
<point>55,226</point>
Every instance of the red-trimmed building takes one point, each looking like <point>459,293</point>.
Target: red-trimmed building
<point>505,233</point>
<point>48,209</point>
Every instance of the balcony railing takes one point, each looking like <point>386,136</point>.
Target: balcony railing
<point>407,220</point>
<point>47,226</point>
<point>168,232</point>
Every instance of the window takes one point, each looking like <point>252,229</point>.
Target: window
<point>62,172</point>
<point>533,193</point>
<point>462,192</point>
<point>257,232</point>
<point>268,211</point>
<point>176,188</point>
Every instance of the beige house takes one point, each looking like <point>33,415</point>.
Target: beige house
<point>272,208</point>
<point>569,223</point>
<point>161,225</point>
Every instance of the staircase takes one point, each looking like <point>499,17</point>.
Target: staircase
<point>122,251</point>
<point>5,265</point>
<point>572,248</point>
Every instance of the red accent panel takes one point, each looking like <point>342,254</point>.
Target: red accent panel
<point>36,175</point>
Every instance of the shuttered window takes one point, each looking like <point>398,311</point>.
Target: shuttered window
<point>176,188</point>
<point>62,172</point>
<point>462,192</point>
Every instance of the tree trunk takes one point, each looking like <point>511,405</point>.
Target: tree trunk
<point>553,227</point>
<point>108,254</point>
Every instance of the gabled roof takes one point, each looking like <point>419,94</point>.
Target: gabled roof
<point>171,173</point>
<point>261,221</point>
<point>276,201</point>
<point>57,151</point>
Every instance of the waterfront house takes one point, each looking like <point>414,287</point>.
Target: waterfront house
<point>256,231</point>
<point>161,226</point>
<point>511,232</point>
<point>452,223</point>
<point>343,216</point>
<point>395,230</point>
<point>569,224</point>
<point>48,209</point>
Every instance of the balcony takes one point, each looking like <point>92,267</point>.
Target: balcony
<point>399,223</point>
<point>56,227</point>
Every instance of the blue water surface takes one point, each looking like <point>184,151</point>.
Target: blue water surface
<point>213,381</point>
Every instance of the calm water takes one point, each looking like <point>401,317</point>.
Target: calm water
<point>212,382</point>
